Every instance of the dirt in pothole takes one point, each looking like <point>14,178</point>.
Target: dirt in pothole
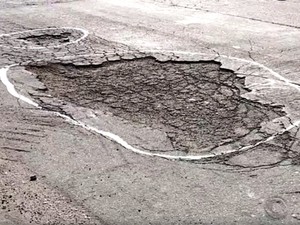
<point>198,104</point>
<point>48,39</point>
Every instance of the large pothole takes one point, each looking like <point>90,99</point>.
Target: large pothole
<point>198,104</point>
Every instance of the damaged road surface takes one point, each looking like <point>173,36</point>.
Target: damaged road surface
<point>148,112</point>
<point>197,104</point>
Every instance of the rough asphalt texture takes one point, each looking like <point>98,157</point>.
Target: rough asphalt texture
<point>83,178</point>
<point>197,104</point>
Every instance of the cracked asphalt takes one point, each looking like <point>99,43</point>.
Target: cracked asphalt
<point>179,78</point>
<point>198,105</point>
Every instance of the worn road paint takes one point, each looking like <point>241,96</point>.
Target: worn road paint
<point>11,89</point>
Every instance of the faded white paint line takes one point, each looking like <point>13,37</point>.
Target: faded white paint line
<point>11,89</point>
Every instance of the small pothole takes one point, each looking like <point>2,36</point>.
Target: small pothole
<point>198,104</point>
<point>48,37</point>
<point>276,208</point>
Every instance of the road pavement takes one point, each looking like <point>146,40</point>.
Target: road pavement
<point>149,112</point>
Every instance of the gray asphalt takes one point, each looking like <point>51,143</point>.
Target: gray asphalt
<point>87,178</point>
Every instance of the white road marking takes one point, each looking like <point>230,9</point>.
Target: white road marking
<point>11,89</point>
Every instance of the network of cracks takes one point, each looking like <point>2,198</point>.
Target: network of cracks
<point>197,104</point>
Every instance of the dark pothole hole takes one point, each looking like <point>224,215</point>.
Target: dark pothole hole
<point>198,104</point>
<point>48,39</point>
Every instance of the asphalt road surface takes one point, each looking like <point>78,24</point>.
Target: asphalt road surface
<point>149,112</point>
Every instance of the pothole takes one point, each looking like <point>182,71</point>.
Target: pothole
<point>198,104</point>
<point>276,208</point>
<point>49,37</point>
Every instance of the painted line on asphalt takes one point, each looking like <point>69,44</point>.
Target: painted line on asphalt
<point>11,89</point>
